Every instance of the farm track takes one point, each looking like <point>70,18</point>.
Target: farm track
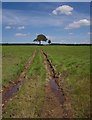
<point>38,95</point>
<point>56,104</point>
<point>14,86</point>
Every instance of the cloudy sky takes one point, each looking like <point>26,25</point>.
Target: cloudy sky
<point>61,22</point>
<point>46,0</point>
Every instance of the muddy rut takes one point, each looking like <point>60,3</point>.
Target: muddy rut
<point>15,85</point>
<point>56,104</point>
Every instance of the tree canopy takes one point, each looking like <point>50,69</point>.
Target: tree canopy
<point>40,38</point>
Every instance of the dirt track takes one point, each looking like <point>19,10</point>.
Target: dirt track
<point>14,86</point>
<point>56,104</point>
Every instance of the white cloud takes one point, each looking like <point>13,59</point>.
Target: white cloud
<point>0,16</point>
<point>7,27</point>
<point>14,27</point>
<point>78,24</point>
<point>18,18</point>
<point>70,33</point>
<point>64,9</point>
<point>89,33</point>
<point>22,34</point>
<point>21,27</point>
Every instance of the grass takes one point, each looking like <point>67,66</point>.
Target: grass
<point>75,60</point>
<point>30,98</point>
<point>13,61</point>
<point>0,66</point>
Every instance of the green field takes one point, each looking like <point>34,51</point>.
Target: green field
<point>14,59</point>
<point>72,61</point>
<point>75,61</point>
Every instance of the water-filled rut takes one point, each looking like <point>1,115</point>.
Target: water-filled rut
<point>55,100</point>
<point>14,87</point>
<point>52,80</point>
<point>55,88</point>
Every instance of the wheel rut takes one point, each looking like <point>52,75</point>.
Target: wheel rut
<point>15,85</point>
<point>56,104</point>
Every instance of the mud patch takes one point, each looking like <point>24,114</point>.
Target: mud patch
<point>56,104</point>
<point>57,91</point>
<point>14,86</point>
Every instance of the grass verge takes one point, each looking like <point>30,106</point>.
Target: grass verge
<point>13,61</point>
<point>75,61</point>
<point>28,102</point>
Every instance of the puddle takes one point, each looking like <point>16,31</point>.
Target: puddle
<point>55,88</point>
<point>15,88</point>
<point>11,91</point>
<point>59,94</point>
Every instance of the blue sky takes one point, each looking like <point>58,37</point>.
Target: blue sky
<point>61,22</point>
<point>46,0</point>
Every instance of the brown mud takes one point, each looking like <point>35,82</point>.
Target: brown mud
<point>15,85</point>
<point>56,104</point>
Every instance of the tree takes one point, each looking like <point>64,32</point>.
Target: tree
<point>40,38</point>
<point>49,41</point>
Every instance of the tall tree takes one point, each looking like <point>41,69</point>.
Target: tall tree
<point>40,38</point>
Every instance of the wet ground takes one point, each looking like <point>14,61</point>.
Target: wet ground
<point>14,87</point>
<point>55,102</point>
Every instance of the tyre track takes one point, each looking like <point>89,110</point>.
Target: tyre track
<point>56,103</point>
<point>14,86</point>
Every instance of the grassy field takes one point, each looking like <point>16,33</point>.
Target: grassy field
<point>0,66</point>
<point>29,100</point>
<point>14,59</point>
<point>73,60</point>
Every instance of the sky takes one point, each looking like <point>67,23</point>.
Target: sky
<point>61,22</point>
<point>46,0</point>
